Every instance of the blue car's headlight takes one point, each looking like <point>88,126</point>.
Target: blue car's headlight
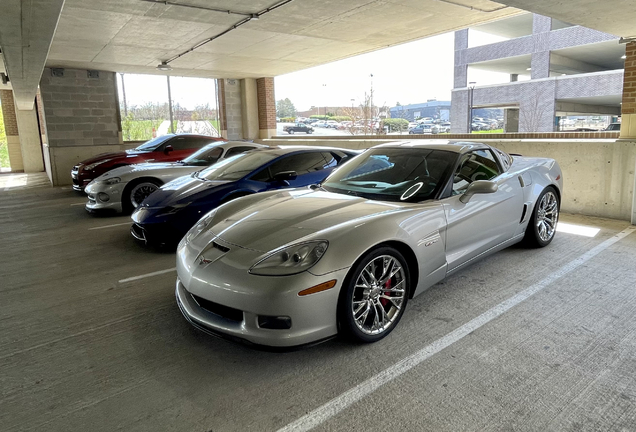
<point>291,259</point>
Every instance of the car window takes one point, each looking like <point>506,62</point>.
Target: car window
<point>204,157</point>
<point>477,165</point>
<point>154,143</point>
<point>302,163</point>
<point>237,150</point>
<point>238,166</point>
<point>393,174</point>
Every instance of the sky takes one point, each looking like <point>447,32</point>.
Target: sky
<point>410,73</point>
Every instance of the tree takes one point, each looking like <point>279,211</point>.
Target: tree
<point>285,108</point>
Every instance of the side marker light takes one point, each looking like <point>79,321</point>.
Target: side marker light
<point>321,287</point>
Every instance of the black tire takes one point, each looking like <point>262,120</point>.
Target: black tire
<point>291,132</point>
<point>126,197</point>
<point>359,327</point>
<point>543,221</point>
<point>308,132</point>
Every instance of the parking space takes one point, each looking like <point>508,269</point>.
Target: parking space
<point>525,340</point>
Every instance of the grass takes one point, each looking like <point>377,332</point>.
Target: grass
<point>489,131</point>
<point>4,155</point>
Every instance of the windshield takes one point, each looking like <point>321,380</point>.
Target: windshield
<point>154,143</point>
<point>404,174</point>
<point>238,166</point>
<point>206,156</point>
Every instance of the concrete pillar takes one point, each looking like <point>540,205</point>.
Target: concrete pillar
<point>266,107</point>
<point>514,77</point>
<point>220,94</point>
<point>249,108</point>
<point>511,120</point>
<point>461,67</point>
<point>30,140</point>
<point>82,118</point>
<point>459,111</point>
<point>540,64</point>
<point>628,118</point>
<point>11,130</point>
<point>233,110</point>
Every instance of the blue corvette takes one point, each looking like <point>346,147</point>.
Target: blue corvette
<point>168,213</point>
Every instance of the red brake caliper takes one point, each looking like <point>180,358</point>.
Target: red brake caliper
<point>388,293</point>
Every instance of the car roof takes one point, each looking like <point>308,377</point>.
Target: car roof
<point>282,150</point>
<point>452,146</point>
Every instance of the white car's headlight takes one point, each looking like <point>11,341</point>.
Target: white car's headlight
<point>93,165</point>
<point>111,181</point>
<point>203,223</point>
<point>291,260</point>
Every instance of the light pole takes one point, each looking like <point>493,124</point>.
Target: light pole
<point>324,92</point>
<point>471,88</point>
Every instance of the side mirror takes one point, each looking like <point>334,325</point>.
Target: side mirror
<point>168,149</point>
<point>478,187</point>
<point>285,175</point>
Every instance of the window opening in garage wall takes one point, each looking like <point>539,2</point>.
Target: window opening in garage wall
<point>194,106</point>
<point>4,149</point>
<point>146,111</point>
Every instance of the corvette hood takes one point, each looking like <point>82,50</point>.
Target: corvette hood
<point>182,190</point>
<point>137,170</point>
<point>290,216</point>
<point>103,156</point>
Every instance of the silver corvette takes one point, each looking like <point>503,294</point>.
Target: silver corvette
<point>297,266</point>
<point>124,188</point>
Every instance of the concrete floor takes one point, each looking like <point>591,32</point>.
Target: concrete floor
<point>82,351</point>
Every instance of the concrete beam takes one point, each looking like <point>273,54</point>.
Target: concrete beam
<point>26,31</point>
<point>569,63</point>
<point>571,108</point>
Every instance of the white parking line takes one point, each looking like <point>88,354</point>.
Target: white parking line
<point>110,226</point>
<point>340,403</point>
<point>134,278</point>
<point>79,204</point>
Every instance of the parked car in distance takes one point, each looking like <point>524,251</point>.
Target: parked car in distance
<point>332,124</point>
<point>298,266</point>
<point>422,129</point>
<point>166,148</point>
<point>123,189</point>
<point>298,127</point>
<point>166,215</point>
<point>613,127</point>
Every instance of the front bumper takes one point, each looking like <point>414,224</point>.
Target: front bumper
<point>239,299</point>
<point>79,180</point>
<point>103,197</point>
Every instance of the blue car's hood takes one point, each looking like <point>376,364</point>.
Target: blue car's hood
<point>183,190</point>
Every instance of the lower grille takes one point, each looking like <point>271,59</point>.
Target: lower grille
<point>220,310</point>
<point>92,199</point>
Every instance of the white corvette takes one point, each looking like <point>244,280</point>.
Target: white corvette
<point>297,266</point>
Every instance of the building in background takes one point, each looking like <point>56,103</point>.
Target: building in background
<point>432,108</point>
<point>554,70</point>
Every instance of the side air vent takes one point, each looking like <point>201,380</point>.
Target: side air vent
<point>523,212</point>
<point>220,247</point>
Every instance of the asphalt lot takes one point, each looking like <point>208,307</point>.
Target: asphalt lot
<point>91,339</point>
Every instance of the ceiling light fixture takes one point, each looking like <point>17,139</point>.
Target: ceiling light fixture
<point>529,68</point>
<point>624,56</point>
<point>163,66</point>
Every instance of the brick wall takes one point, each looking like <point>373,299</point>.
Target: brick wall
<point>629,79</point>
<point>11,131</point>
<point>266,103</point>
<point>80,111</point>
<point>8,112</point>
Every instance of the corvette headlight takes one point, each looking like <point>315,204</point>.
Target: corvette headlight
<point>291,260</point>
<point>112,180</point>
<point>200,226</point>
<point>93,165</point>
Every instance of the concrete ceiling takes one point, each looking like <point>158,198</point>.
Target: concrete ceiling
<point>520,25</point>
<point>617,18</point>
<point>135,35</point>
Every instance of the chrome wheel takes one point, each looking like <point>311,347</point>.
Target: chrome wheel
<point>139,192</point>
<point>378,295</point>
<point>547,216</point>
